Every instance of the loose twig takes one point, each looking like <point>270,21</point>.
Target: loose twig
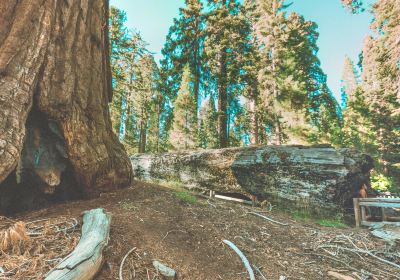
<point>259,272</point>
<point>362,252</point>
<point>267,218</point>
<point>123,261</point>
<point>243,258</point>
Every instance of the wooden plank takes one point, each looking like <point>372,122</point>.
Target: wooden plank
<point>380,204</point>
<point>357,214</point>
<point>212,194</point>
<point>363,214</point>
<point>395,200</point>
<point>87,258</point>
<point>384,215</point>
<point>233,199</point>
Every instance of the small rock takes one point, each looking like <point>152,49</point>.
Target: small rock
<point>164,270</point>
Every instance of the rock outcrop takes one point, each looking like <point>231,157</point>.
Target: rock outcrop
<point>316,177</point>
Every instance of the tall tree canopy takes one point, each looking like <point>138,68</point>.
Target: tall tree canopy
<point>184,46</point>
<point>184,128</point>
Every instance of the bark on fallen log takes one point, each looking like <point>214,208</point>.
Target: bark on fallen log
<point>316,177</point>
<point>87,258</point>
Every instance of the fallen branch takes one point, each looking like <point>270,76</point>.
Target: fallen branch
<point>362,252</point>
<point>267,218</point>
<point>86,259</point>
<point>228,198</point>
<point>123,261</point>
<point>242,257</point>
<point>259,272</point>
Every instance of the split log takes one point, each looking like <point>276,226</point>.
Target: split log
<point>87,258</point>
<point>316,177</point>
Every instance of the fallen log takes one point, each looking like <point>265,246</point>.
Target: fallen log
<point>315,177</point>
<point>87,258</point>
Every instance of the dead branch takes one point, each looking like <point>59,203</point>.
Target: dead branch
<point>267,218</point>
<point>362,251</point>
<point>123,261</point>
<point>242,257</point>
<point>86,259</point>
<point>259,272</point>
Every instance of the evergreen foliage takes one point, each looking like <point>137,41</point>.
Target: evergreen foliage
<point>184,128</point>
<point>237,73</point>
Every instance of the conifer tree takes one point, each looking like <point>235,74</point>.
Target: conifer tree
<point>349,82</point>
<point>292,84</point>
<point>381,82</point>
<point>184,46</point>
<point>355,6</point>
<point>269,29</point>
<point>184,128</point>
<point>143,98</point>
<point>118,38</point>
<point>227,48</point>
<point>252,69</point>
<point>208,124</point>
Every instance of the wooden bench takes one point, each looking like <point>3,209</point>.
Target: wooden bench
<point>360,205</point>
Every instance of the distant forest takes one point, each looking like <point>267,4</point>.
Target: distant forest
<point>236,74</point>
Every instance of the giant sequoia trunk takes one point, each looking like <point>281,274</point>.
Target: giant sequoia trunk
<point>320,178</point>
<point>55,85</point>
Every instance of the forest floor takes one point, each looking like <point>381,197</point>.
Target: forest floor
<point>186,234</point>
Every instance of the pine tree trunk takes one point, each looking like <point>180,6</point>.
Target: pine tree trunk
<point>222,102</point>
<point>277,124</point>
<point>255,137</point>
<point>196,75</point>
<point>54,62</point>
<point>142,138</point>
<point>158,124</point>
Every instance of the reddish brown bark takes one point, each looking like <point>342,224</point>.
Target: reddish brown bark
<point>54,60</point>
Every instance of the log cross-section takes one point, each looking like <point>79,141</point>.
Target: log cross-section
<point>87,258</point>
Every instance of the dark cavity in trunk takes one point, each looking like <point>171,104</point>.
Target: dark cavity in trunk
<point>43,174</point>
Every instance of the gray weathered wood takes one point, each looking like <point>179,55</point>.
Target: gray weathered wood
<point>316,177</point>
<point>380,204</point>
<point>381,199</point>
<point>228,198</point>
<point>87,258</point>
<point>357,214</point>
<point>363,213</point>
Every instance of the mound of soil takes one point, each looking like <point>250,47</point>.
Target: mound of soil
<point>187,235</point>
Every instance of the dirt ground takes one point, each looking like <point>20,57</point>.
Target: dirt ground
<point>188,237</point>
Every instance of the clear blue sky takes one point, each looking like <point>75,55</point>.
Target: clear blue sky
<point>341,33</point>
